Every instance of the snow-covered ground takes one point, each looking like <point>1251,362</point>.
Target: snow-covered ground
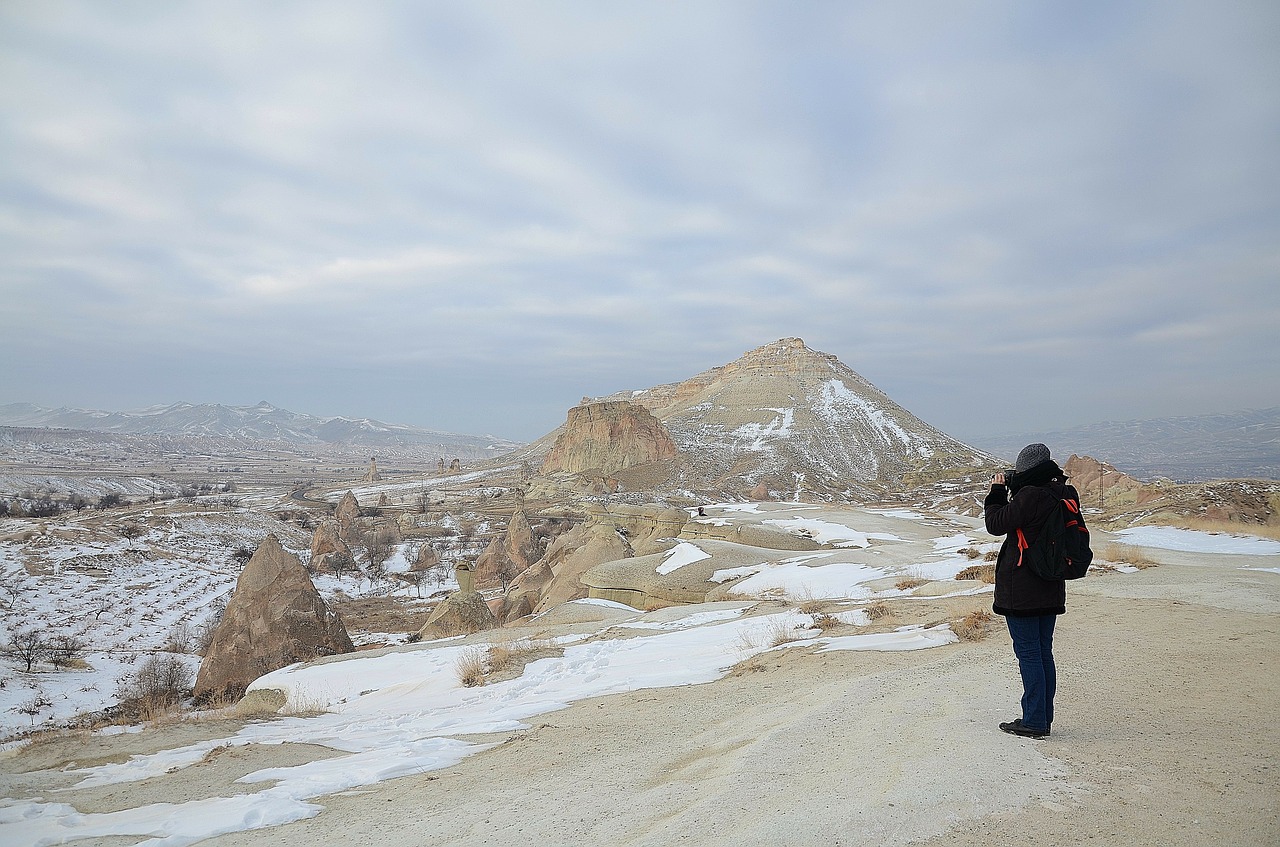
<point>127,600</point>
<point>1195,541</point>
<point>404,710</point>
<point>398,714</point>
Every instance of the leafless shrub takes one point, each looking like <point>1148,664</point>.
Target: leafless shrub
<point>180,638</point>
<point>878,610</point>
<point>824,621</point>
<point>154,688</point>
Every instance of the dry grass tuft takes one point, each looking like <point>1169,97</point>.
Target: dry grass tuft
<point>971,552</point>
<point>825,621</point>
<point>973,626</point>
<point>984,573</point>
<point>990,555</point>
<point>878,610</point>
<point>471,667</point>
<point>1126,555</point>
<point>780,633</point>
<point>909,583</point>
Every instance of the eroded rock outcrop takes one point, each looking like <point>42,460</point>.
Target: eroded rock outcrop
<point>326,545</point>
<point>557,577</point>
<point>459,614</point>
<point>509,554</point>
<point>348,517</point>
<point>275,618</point>
<point>608,437</point>
<point>372,475</point>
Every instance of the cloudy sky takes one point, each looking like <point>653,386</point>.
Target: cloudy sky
<point>1008,215</point>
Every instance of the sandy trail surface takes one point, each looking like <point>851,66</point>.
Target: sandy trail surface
<point>1165,734</point>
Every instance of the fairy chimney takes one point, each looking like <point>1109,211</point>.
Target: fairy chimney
<point>275,618</point>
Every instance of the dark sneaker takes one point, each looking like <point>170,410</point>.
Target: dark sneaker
<point>1015,727</point>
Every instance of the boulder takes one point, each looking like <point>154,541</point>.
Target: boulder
<point>275,618</point>
<point>607,437</point>
<point>459,614</point>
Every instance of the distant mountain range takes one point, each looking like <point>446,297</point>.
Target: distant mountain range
<point>1185,449</point>
<point>263,422</point>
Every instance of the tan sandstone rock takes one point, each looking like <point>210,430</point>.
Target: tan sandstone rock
<point>326,545</point>
<point>608,437</point>
<point>459,614</point>
<point>348,517</point>
<point>275,618</point>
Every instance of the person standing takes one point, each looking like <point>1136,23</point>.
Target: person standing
<point>1030,605</point>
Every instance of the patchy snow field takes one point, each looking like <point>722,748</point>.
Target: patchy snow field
<point>403,710</point>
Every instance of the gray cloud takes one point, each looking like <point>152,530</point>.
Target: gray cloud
<point>1007,215</point>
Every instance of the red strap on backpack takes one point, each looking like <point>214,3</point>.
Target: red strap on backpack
<point>1022,546</point>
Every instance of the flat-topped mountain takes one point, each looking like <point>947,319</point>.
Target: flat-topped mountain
<point>790,419</point>
<point>261,422</point>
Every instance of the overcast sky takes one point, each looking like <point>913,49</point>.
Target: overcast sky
<point>1008,215</point>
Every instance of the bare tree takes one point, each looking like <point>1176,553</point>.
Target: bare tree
<point>33,707</point>
<point>378,543</point>
<point>65,649</point>
<point>28,646</point>
<point>161,681</point>
<point>131,532</point>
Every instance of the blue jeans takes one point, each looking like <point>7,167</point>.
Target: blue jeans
<point>1033,645</point>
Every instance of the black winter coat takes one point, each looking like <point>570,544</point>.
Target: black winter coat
<point>1019,592</point>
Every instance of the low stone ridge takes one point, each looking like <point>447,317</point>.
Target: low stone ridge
<point>609,437</point>
<point>275,618</point>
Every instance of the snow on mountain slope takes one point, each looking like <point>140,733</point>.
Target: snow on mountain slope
<point>797,420</point>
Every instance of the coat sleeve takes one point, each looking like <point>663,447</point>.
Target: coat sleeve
<point>1003,515</point>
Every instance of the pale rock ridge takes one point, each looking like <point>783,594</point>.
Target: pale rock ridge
<point>275,618</point>
<point>608,437</point>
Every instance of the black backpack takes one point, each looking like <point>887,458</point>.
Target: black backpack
<point>1061,550</point>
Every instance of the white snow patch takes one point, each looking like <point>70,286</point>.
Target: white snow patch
<point>682,554</point>
<point>1195,541</point>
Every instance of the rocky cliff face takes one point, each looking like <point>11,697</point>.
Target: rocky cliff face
<point>608,437</point>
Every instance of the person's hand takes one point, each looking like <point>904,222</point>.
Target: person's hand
<point>998,479</point>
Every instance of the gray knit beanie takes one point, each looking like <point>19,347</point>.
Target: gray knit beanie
<point>1031,455</point>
